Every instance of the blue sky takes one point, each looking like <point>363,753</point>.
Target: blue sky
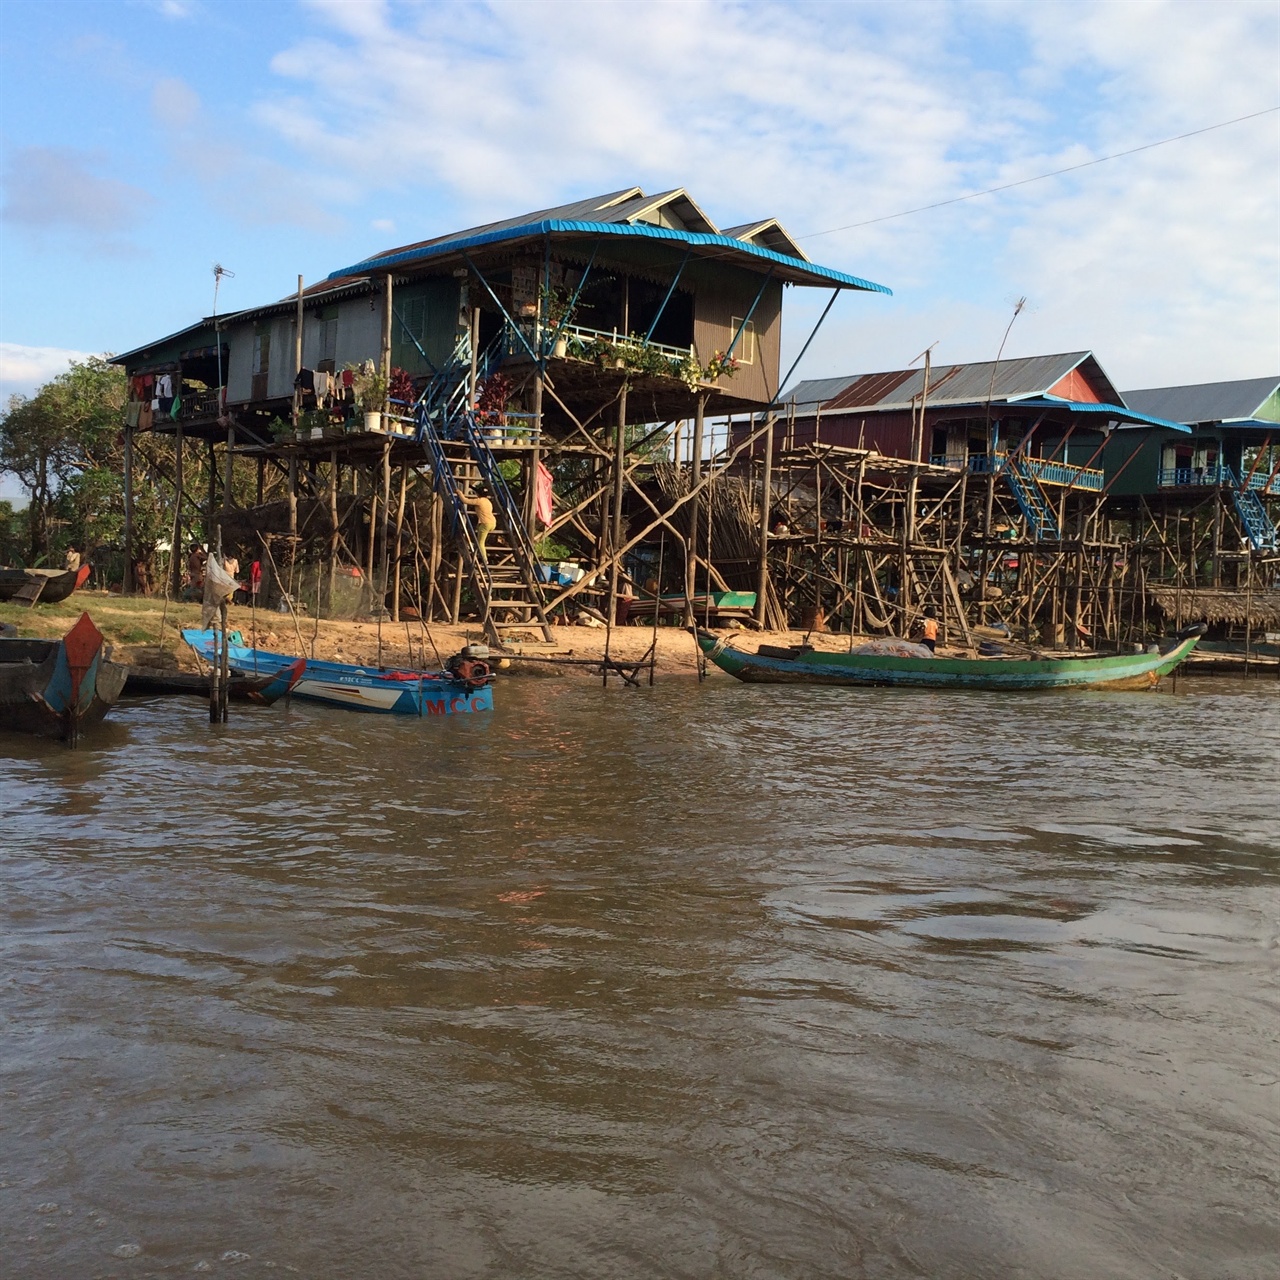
<point>146,139</point>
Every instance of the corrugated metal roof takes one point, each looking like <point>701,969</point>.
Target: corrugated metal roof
<point>125,356</point>
<point>785,268</point>
<point>813,392</point>
<point>610,207</point>
<point>1116,412</point>
<point>1206,401</point>
<point>956,384</point>
<point>771,233</point>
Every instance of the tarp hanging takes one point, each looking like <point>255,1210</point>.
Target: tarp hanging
<point>219,587</point>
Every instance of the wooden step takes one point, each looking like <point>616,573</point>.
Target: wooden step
<point>30,591</point>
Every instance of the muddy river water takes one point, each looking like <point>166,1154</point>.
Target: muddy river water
<point>697,981</point>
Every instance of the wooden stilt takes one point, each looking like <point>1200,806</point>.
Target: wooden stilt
<point>176,558</point>
<point>691,553</point>
<point>399,544</point>
<point>766,505</point>
<point>127,582</point>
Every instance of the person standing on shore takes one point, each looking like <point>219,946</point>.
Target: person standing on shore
<point>485,521</point>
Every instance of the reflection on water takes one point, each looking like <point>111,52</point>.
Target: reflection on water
<point>693,981</point>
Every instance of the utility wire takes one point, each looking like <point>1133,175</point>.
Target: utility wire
<point>1040,177</point>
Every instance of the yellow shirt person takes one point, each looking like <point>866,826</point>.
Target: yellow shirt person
<point>485,522</point>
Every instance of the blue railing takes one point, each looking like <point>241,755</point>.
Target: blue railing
<point>1062,473</point>
<point>1188,477</point>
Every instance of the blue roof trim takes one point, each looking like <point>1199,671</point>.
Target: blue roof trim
<point>1119,412</point>
<point>817,274</point>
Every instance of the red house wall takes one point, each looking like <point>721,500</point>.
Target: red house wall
<point>1075,386</point>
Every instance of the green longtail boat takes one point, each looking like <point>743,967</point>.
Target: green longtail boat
<point>803,665</point>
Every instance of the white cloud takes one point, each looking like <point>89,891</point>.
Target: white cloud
<point>56,189</point>
<point>245,184</point>
<point>24,369</point>
<point>175,104</point>
<point>1166,263</point>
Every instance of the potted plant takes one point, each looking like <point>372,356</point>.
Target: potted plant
<point>370,388</point>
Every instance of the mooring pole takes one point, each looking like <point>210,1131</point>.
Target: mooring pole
<point>766,504</point>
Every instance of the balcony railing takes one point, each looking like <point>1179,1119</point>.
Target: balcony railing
<point>1215,475</point>
<point>1062,473</point>
<point>199,404</point>
<point>577,340</point>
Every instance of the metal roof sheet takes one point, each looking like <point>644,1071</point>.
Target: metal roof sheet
<point>956,384</point>
<point>1116,412</point>
<point>1206,401</point>
<point>787,269</point>
<point>125,356</point>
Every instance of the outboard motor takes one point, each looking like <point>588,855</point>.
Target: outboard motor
<point>471,666</point>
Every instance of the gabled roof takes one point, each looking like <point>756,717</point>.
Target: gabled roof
<point>1202,403</point>
<point>770,233</point>
<point>1028,380</point>
<point>621,214</point>
<point>606,208</point>
<point>676,206</point>
<point>957,384</point>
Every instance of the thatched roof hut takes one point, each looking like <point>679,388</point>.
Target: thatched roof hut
<point>1214,605</point>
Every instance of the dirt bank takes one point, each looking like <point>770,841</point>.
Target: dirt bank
<point>134,626</point>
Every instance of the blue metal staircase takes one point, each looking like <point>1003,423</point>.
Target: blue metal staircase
<point>1258,528</point>
<point>1032,501</point>
<point>506,585</point>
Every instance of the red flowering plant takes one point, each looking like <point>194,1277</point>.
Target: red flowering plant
<point>491,399</point>
<point>402,387</point>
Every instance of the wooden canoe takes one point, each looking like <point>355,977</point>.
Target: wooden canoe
<point>808,666</point>
<point>54,688</point>
<point>41,586</point>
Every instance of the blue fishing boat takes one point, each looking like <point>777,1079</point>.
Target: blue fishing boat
<point>901,663</point>
<point>465,686</point>
<point>263,689</point>
<point>54,688</point>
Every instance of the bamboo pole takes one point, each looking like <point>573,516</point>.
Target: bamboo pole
<point>691,551</point>
<point>615,535</point>
<point>126,582</point>
<point>176,558</point>
<point>386,530</point>
<point>766,498</point>
<point>395,590</point>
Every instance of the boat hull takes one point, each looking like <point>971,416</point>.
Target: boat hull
<point>58,585</point>
<point>338,684</point>
<point>57,688</point>
<point>262,689</point>
<point>1121,671</point>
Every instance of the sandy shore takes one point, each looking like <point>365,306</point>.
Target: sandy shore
<point>143,633</point>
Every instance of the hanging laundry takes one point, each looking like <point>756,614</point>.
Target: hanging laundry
<point>164,387</point>
<point>306,380</point>
<point>132,413</point>
<point>542,495</point>
<point>323,384</point>
<point>146,416</point>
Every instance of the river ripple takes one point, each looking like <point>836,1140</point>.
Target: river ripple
<point>693,981</point>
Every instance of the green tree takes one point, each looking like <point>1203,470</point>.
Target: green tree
<point>58,438</point>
